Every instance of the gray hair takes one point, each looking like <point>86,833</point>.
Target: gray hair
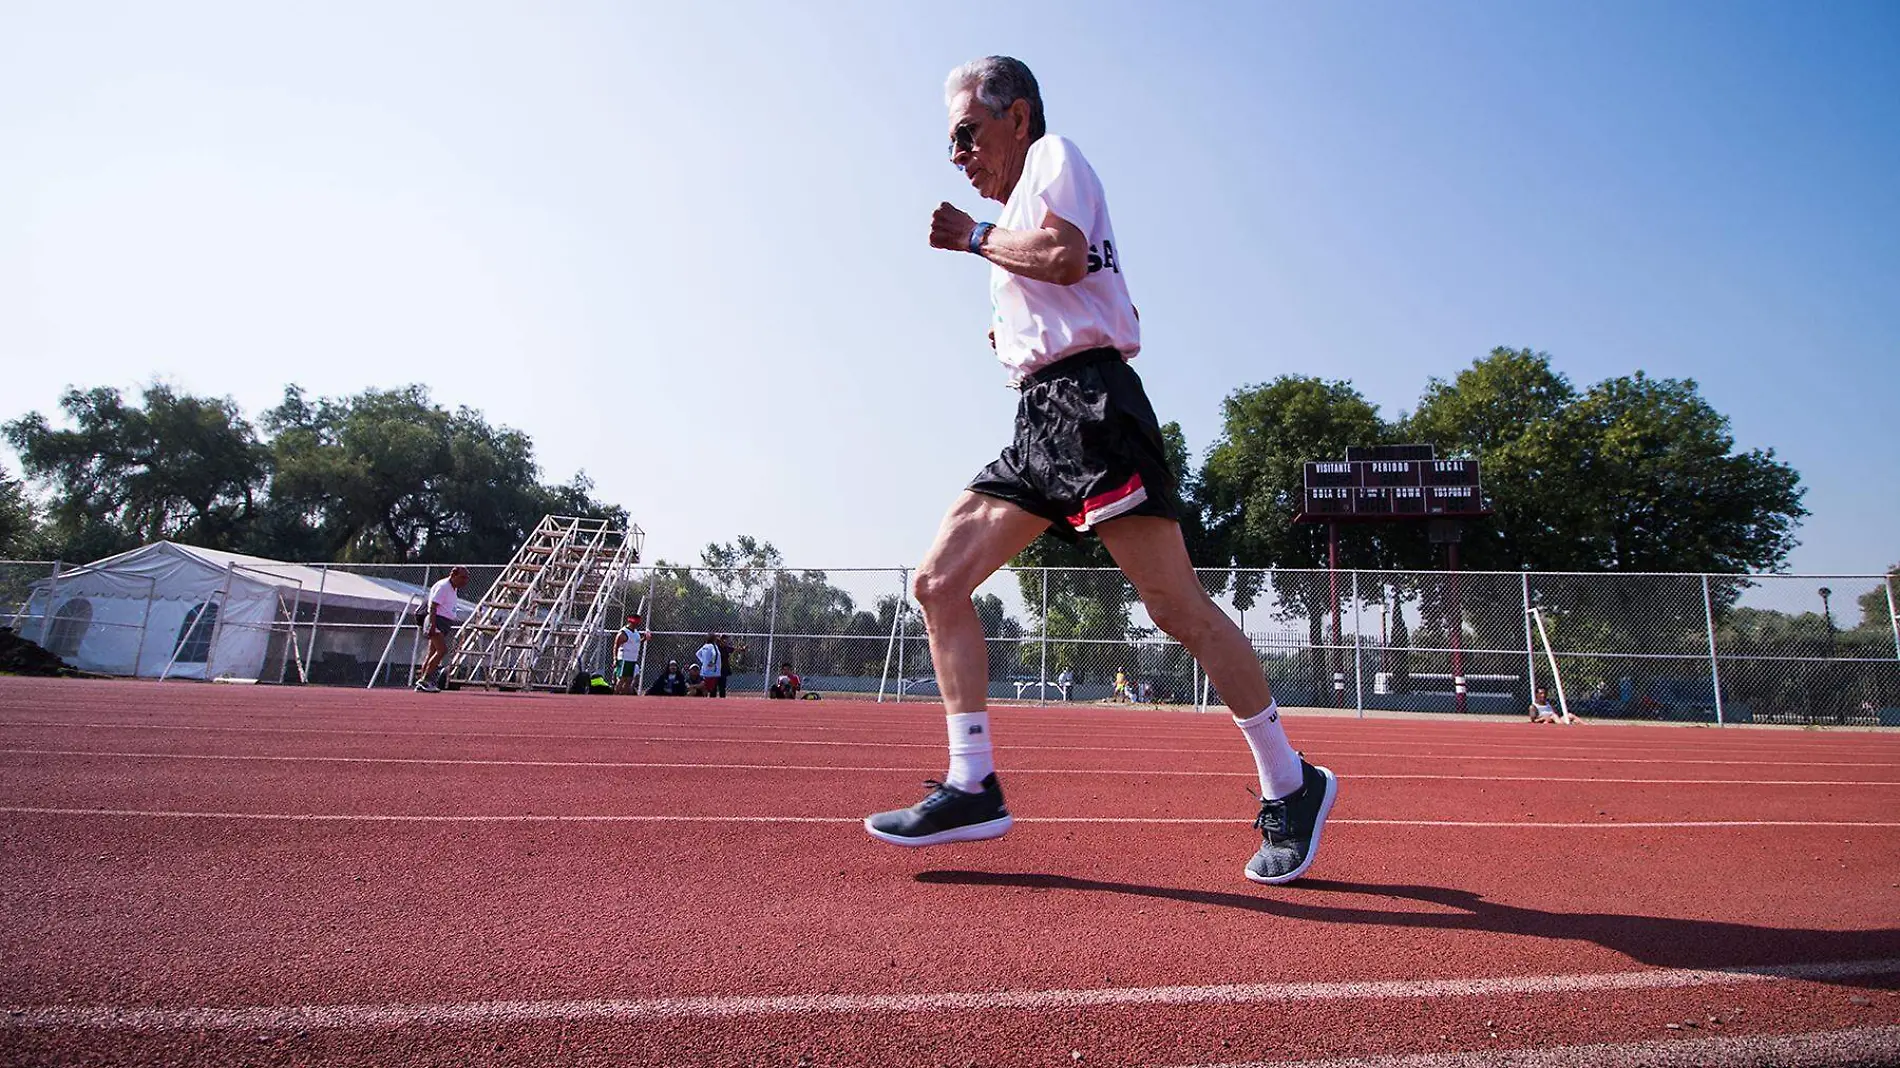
<point>998,82</point>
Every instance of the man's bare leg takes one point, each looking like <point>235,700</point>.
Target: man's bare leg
<point>1296,796</point>
<point>978,536</point>
<point>438,650</point>
<point>1149,550</point>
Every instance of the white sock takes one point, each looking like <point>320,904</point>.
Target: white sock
<point>1279,765</point>
<point>971,760</point>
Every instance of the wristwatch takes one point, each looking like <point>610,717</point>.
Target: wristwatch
<point>977,235</point>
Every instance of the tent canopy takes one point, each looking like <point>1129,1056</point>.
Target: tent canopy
<point>174,571</point>
<point>178,610</point>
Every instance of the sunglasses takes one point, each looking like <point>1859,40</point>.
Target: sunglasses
<point>963,139</point>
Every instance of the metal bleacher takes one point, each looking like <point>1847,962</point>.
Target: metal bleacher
<point>532,627</point>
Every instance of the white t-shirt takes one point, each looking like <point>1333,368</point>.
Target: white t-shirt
<point>708,659</point>
<point>630,649</point>
<point>442,599</point>
<point>1038,323</point>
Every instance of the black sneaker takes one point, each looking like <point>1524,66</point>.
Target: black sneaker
<point>946,815</point>
<point>1290,827</point>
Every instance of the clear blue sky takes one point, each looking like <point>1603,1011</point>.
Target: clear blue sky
<point>683,246</point>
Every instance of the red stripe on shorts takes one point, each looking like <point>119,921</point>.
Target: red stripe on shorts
<point>1103,505</point>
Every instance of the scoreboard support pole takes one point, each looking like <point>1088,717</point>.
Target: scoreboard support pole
<point>1332,574</point>
<point>1457,634</point>
<point>1450,532</point>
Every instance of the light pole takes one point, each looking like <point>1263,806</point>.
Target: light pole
<point>1827,617</point>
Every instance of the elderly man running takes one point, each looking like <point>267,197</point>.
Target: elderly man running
<point>1087,458</point>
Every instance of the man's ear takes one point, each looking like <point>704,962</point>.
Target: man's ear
<point>1019,119</point>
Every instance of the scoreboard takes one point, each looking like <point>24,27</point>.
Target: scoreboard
<point>1397,488</point>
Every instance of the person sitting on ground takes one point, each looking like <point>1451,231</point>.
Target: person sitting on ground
<point>695,681</point>
<point>669,683</point>
<point>787,685</point>
<point>1542,711</point>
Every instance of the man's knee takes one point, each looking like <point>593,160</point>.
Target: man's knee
<point>935,590</point>
<point>1186,615</point>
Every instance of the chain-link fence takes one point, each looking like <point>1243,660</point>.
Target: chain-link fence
<point>1694,648</point>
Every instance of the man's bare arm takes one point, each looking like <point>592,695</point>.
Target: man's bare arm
<point>1056,252</point>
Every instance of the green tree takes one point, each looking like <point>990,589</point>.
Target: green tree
<point>387,475</point>
<point>175,467</point>
<point>742,569</point>
<point>821,630</point>
<point>1875,609</point>
<point>1634,474</point>
<point>19,520</point>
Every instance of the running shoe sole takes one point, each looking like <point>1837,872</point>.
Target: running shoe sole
<point>973,832</point>
<point>1312,844</point>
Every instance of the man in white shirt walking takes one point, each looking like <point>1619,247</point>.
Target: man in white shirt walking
<point>1088,458</point>
<point>441,627</point>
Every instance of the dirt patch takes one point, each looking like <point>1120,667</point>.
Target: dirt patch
<point>21,657</point>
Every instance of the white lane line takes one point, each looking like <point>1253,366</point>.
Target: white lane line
<point>938,745</point>
<point>1814,1049</point>
<point>671,1008</point>
<point>904,769</point>
<point>1327,728</point>
<point>767,817</point>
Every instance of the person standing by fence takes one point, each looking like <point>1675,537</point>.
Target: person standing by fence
<point>627,644</point>
<point>712,667</point>
<point>1088,457</point>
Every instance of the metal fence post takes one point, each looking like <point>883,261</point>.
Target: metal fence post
<point>415,640</point>
<point>1530,646</point>
<point>1042,687</point>
<point>1358,656</point>
<point>1886,583</point>
<point>640,670</point>
<point>891,646</point>
<point>771,631</point>
<point>903,627</point>
<point>1715,667</point>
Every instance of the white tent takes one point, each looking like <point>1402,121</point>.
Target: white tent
<point>179,611</point>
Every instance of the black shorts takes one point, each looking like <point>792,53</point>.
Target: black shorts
<point>442,625</point>
<point>1088,448</point>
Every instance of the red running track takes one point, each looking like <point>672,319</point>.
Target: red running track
<point>244,875</point>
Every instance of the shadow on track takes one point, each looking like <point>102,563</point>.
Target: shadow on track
<point>1668,942</point>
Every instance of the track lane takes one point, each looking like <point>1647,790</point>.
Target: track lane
<point>136,911</point>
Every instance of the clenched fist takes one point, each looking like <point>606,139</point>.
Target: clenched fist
<point>950,228</point>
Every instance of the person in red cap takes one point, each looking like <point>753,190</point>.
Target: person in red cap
<point>627,644</point>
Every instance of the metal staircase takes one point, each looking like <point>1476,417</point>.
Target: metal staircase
<point>533,625</point>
